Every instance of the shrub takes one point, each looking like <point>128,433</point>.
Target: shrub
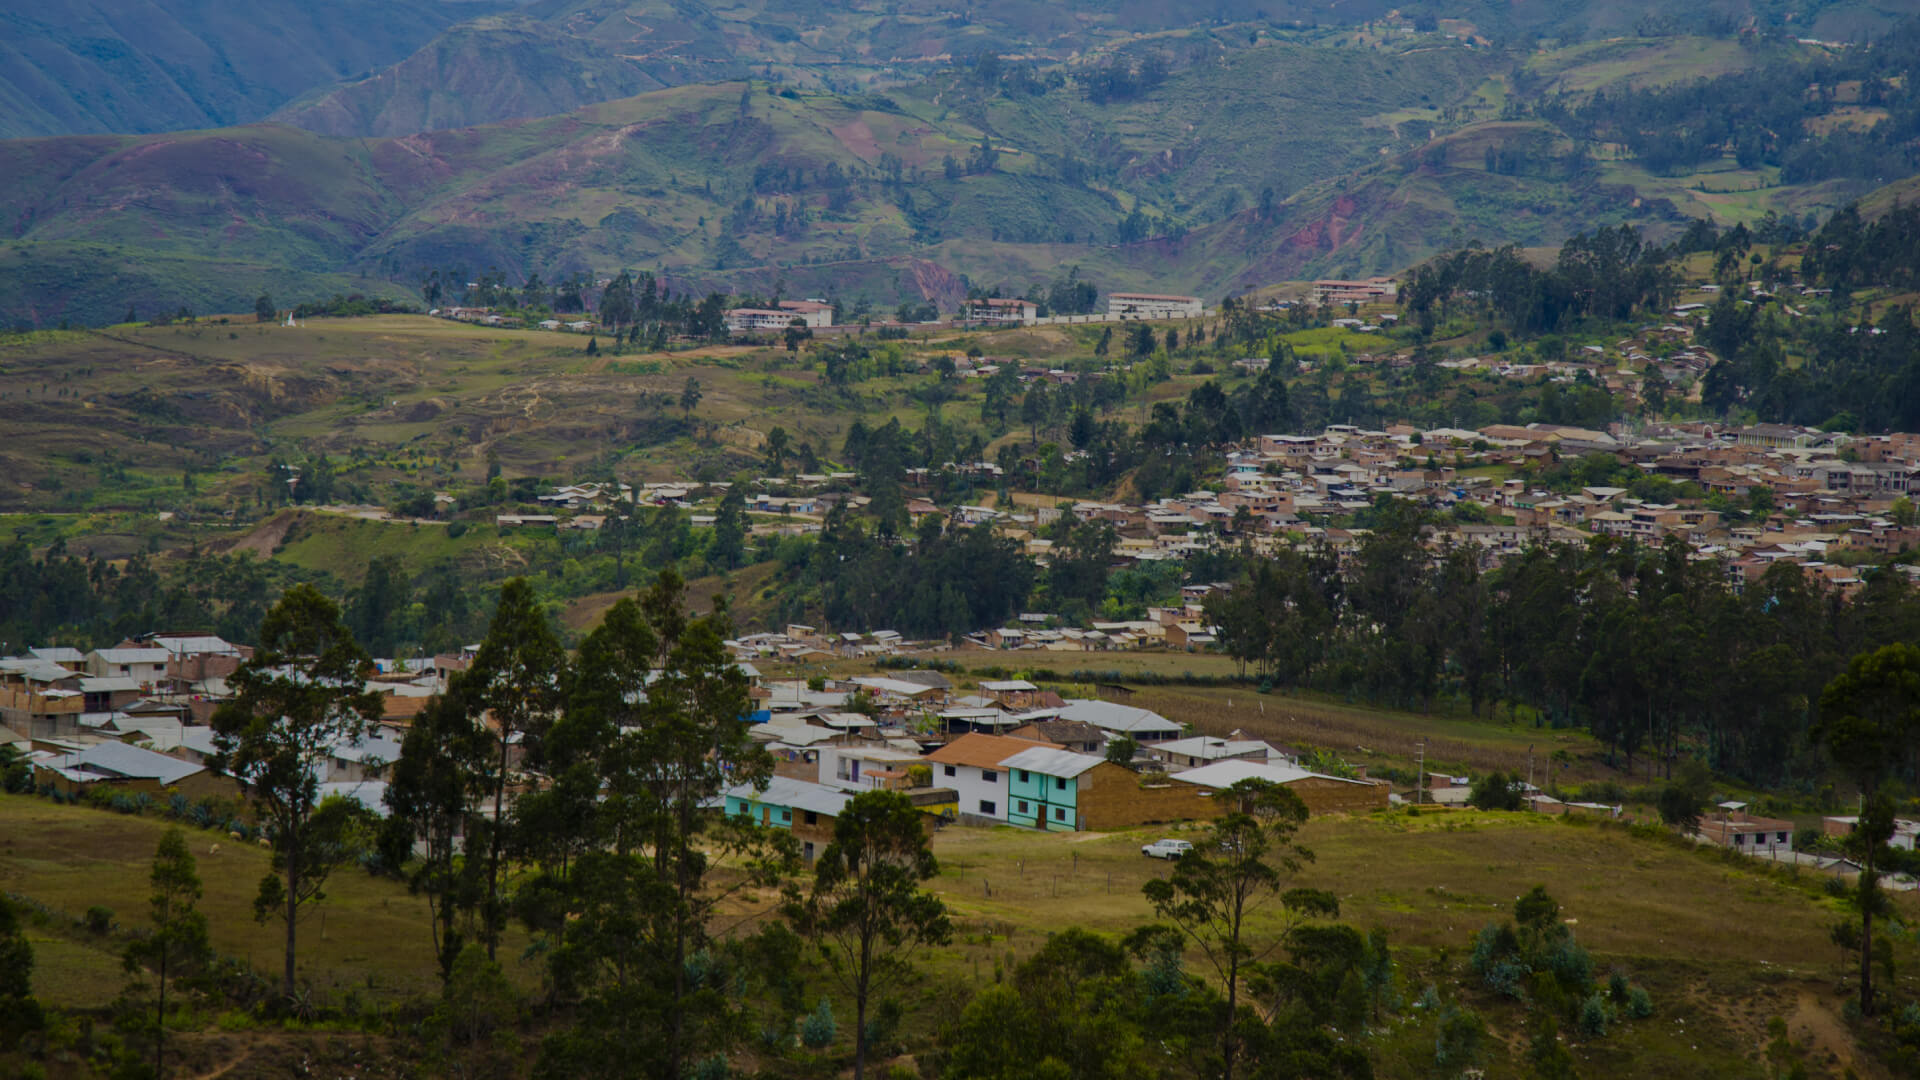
<point>1571,964</point>
<point>98,919</point>
<point>1617,987</point>
<point>1640,1003</point>
<point>1594,1017</point>
<point>818,1030</point>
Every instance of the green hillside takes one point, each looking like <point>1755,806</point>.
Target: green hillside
<point>1199,161</point>
<point>75,66</point>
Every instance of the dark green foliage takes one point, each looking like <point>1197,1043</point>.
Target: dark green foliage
<point>19,1012</point>
<point>818,1030</point>
<point>1495,791</point>
<point>1513,958</point>
<point>300,694</point>
<point>177,945</point>
<point>866,909</point>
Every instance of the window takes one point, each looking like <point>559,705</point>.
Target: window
<point>1023,806</point>
<point>1024,776</point>
<point>786,815</point>
<point>840,768</point>
<point>1779,838</point>
<point>949,769</point>
<point>1739,838</point>
<point>988,807</point>
<point>989,776</point>
<point>1059,813</point>
<point>812,819</point>
<point>1060,783</point>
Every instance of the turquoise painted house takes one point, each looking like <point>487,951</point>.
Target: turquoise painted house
<point>807,810</point>
<point>1043,787</point>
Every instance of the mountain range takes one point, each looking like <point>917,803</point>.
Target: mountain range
<point>857,156</point>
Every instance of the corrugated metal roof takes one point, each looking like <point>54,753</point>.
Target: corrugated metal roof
<point>1112,717</point>
<point>119,759</point>
<point>1225,774</point>
<point>798,794</point>
<point>1051,762</point>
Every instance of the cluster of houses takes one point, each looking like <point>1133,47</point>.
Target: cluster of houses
<point>1822,492</point>
<point>1005,752</point>
<point>134,718</point>
<point>1817,494</point>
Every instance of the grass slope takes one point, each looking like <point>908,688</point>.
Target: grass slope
<point>1722,945</point>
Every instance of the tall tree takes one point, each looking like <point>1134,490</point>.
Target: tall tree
<point>779,445</point>
<point>178,943</point>
<point>866,908</point>
<point>1869,717</point>
<point>302,693</point>
<point>730,530</point>
<point>1246,861</point>
<point>660,700</point>
<point>511,694</point>
<point>431,793</point>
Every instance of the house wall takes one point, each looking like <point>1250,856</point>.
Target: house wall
<point>1340,796</point>
<point>1052,802</point>
<point>973,787</point>
<point>1112,797</point>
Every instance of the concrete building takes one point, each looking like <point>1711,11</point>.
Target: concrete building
<point>1153,306</point>
<point>1000,311</point>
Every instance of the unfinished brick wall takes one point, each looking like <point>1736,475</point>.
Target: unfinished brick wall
<point>1339,796</point>
<point>1112,797</point>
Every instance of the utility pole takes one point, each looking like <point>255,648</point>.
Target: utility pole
<point>1420,775</point>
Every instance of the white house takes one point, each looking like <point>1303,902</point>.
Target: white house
<point>970,765</point>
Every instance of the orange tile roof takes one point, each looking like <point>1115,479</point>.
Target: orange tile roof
<point>983,751</point>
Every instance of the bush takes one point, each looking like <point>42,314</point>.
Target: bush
<point>818,1030</point>
<point>456,529</point>
<point>1640,1003</point>
<point>1594,1017</point>
<point>1495,791</point>
<point>1617,987</point>
<point>1570,964</point>
<point>98,919</point>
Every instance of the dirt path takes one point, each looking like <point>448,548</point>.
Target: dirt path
<point>261,539</point>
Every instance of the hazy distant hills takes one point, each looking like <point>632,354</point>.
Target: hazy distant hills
<point>395,67</point>
<point>1239,168</point>
<point>79,66</point>
<point>1212,156</point>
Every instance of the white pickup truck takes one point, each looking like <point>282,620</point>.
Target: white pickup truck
<point>1166,849</point>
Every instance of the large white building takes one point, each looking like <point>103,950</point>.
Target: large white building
<point>812,314</point>
<point>1122,305</point>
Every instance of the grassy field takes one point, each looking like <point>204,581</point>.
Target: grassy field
<point>1721,944</point>
<point>369,935</point>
